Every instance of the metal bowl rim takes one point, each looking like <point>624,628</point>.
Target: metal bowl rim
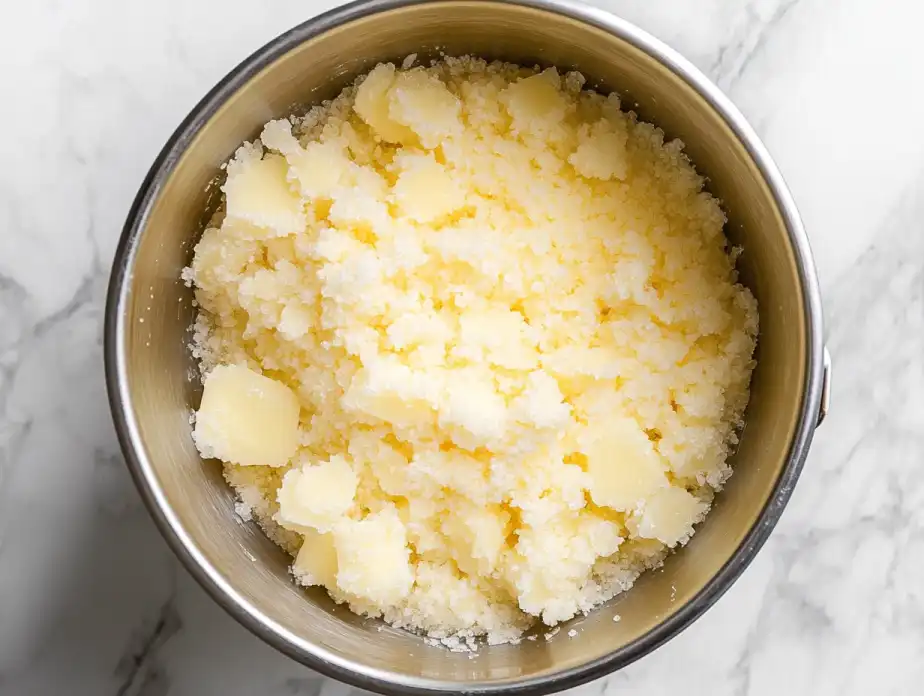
<point>350,671</point>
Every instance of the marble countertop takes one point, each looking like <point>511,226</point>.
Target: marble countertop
<point>91,600</point>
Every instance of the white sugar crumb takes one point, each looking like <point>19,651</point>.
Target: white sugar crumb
<point>455,644</point>
<point>572,633</point>
<point>243,511</point>
<point>187,276</point>
<point>463,641</point>
<point>430,311</point>
<point>617,618</point>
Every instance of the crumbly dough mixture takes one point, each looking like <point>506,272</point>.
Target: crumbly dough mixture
<point>473,345</point>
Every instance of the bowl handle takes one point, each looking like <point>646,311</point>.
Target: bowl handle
<point>825,388</point>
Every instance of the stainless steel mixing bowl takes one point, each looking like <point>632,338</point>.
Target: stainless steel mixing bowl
<point>149,366</point>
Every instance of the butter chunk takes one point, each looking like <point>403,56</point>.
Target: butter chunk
<point>497,335</point>
<point>316,562</point>
<point>425,191</point>
<point>541,402</point>
<point>669,515</point>
<point>277,135</point>
<point>321,169</point>
<point>373,558</point>
<point>317,495</point>
<point>623,465</point>
<point>422,102</point>
<point>372,105</point>
<point>478,536</point>
<point>246,418</point>
<point>601,153</point>
<point>257,191</point>
<point>221,255</point>
<point>472,409</point>
<point>536,103</point>
<point>295,321</point>
<point>389,390</point>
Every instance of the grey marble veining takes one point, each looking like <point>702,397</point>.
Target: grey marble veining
<point>91,600</point>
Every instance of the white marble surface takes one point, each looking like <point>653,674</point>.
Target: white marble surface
<point>91,600</point>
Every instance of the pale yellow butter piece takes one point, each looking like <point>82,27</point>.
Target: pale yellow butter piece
<point>422,102</point>
<point>221,254</point>
<point>389,390</point>
<point>669,515</point>
<point>316,562</point>
<point>477,535</point>
<point>540,404</point>
<point>472,409</point>
<point>373,106</point>
<point>624,467</point>
<point>257,191</point>
<point>536,103</point>
<point>425,191</point>
<point>601,153</point>
<point>246,418</point>
<point>317,495</point>
<point>373,558</point>
<point>320,169</point>
<point>498,335</point>
<point>295,320</point>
